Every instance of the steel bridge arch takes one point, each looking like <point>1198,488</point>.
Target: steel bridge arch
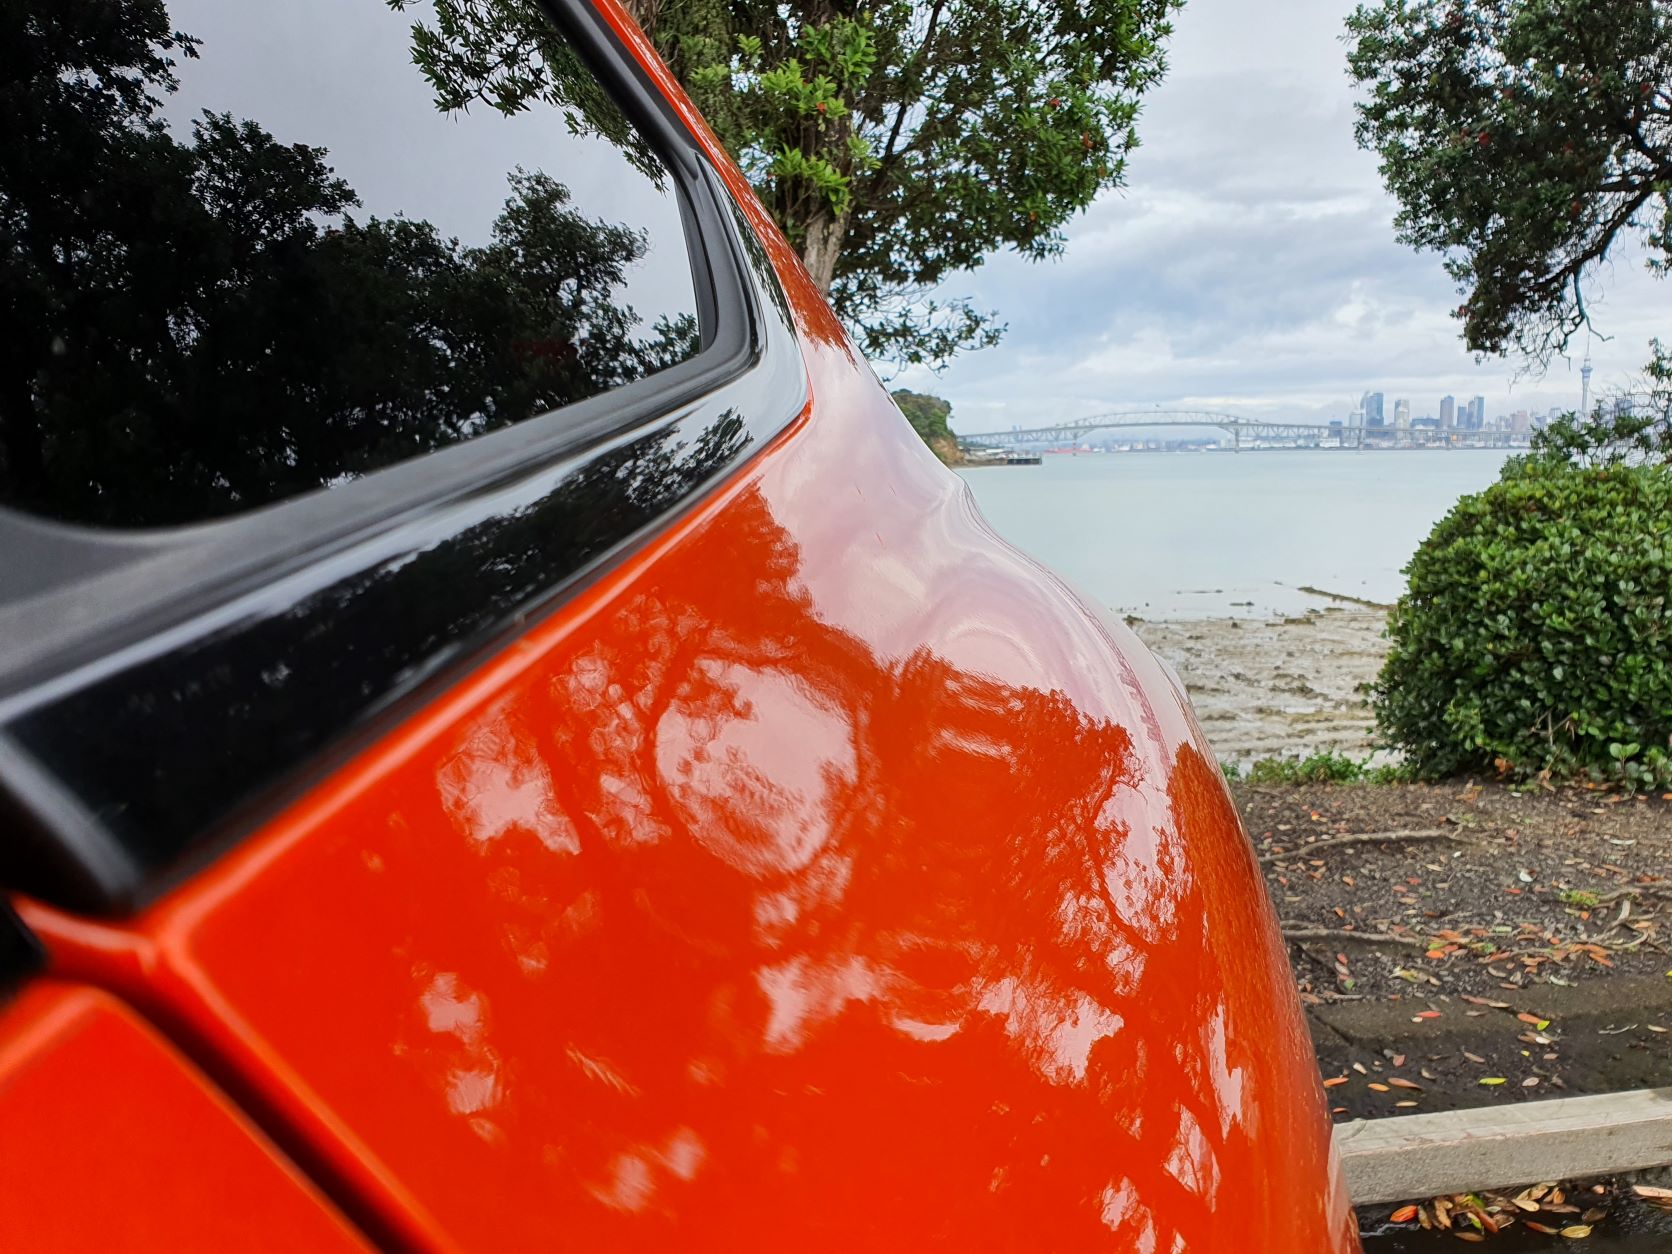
<point>1237,426</point>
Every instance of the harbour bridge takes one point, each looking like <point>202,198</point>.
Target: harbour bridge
<point>1244,432</point>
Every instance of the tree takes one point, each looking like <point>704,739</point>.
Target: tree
<point>200,327</point>
<point>1636,430</point>
<point>1523,139</point>
<point>896,145</point>
<point>928,417</point>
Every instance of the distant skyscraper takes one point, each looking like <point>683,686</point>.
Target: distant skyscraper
<point>1474,418</point>
<point>1448,413</point>
<point>1374,412</point>
<point>1585,391</point>
<point>1402,413</point>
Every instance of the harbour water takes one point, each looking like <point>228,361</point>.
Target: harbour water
<point>1206,535</point>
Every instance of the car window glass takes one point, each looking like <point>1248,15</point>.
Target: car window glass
<point>253,250</point>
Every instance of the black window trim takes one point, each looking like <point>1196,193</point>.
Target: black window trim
<point>123,692</point>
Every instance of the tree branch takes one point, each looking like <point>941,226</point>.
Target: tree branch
<point>1361,838</point>
<point>1295,932</point>
<point>906,96</point>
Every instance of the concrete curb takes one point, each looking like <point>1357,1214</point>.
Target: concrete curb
<point>1410,1157</point>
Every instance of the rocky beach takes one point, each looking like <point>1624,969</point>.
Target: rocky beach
<point>1283,686</point>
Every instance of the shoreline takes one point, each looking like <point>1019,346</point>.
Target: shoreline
<point>1280,686</point>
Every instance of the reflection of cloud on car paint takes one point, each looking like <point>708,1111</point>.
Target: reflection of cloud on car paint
<point>498,784</point>
<point>754,765</point>
<point>456,1058</point>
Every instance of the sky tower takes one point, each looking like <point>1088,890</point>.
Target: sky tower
<point>1585,389</point>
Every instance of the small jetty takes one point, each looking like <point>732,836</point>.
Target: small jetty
<point>999,457</point>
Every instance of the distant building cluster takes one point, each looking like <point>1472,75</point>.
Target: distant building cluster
<point>1374,414</point>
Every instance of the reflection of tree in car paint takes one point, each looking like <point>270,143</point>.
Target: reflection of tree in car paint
<point>197,327</point>
<point>754,766</point>
<point>756,782</point>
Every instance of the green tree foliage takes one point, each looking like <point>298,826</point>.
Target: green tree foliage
<point>1523,140</point>
<point>1536,635</point>
<point>1638,435</point>
<point>927,414</point>
<point>197,327</point>
<point>896,144</point>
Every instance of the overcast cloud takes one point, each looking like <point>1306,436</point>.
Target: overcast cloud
<point>1251,265</point>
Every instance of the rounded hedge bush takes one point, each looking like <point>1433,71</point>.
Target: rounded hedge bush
<point>1536,634</point>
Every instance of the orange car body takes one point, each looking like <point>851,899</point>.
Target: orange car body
<point>822,875</point>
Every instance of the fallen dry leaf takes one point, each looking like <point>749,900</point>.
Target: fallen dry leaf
<point>1379,1088</point>
<point>1574,1231</point>
<point>1492,1079</point>
<point>1404,1215</point>
<point>1334,1080</point>
<point>1400,1082</point>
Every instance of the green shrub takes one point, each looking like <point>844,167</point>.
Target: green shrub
<point>1536,635</point>
<point>1317,768</point>
<point>1320,768</point>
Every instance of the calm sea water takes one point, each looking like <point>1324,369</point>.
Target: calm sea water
<point>1175,535</point>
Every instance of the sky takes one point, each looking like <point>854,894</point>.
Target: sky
<point>1250,265</point>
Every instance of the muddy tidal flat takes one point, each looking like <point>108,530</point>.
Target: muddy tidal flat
<point>1284,686</point>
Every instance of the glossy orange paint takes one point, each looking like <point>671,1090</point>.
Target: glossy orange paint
<point>828,876</point>
<point>111,1142</point>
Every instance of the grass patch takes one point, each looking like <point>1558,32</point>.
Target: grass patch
<point>1317,768</point>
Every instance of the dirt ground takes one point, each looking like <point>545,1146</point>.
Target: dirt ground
<point>1511,946</point>
<point>1278,687</point>
<point>1518,946</point>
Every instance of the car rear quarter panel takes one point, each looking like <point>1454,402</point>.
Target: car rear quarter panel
<point>111,1141</point>
<point>826,876</point>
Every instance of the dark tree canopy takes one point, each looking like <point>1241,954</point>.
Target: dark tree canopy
<point>195,326</point>
<point>927,414</point>
<point>1524,140</point>
<point>929,417</point>
<point>896,144</point>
